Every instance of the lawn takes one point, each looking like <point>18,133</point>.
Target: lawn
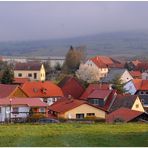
<point>86,135</point>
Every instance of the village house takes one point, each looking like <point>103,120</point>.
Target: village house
<point>126,115</point>
<point>127,101</point>
<point>19,108</point>
<point>48,91</point>
<point>99,95</point>
<point>11,91</point>
<point>137,86</point>
<point>114,73</point>
<point>71,86</point>
<point>75,109</point>
<point>33,71</point>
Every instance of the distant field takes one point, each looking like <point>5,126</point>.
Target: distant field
<point>86,135</point>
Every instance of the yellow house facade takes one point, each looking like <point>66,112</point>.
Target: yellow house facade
<point>32,72</point>
<point>137,105</point>
<point>75,109</point>
<point>83,111</point>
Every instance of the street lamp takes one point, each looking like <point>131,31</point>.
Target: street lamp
<point>10,109</point>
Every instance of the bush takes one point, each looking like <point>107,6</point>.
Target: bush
<point>35,117</point>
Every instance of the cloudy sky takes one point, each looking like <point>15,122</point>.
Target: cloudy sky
<point>49,20</point>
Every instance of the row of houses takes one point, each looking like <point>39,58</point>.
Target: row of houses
<point>75,102</point>
<point>70,100</point>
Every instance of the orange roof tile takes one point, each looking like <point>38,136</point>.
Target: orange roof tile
<point>140,84</point>
<point>42,89</point>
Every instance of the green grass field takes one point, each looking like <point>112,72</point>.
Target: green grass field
<point>86,135</point>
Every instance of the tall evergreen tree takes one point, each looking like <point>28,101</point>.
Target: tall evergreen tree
<point>8,76</point>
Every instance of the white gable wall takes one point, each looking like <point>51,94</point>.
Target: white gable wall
<point>126,77</point>
<point>129,86</point>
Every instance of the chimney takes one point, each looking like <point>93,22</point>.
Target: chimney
<point>69,97</point>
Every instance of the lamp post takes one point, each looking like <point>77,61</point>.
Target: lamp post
<point>10,110</point>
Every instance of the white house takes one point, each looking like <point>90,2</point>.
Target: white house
<point>13,108</point>
<point>123,74</point>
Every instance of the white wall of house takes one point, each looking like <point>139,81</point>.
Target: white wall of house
<point>5,112</point>
<point>130,87</point>
<point>126,77</point>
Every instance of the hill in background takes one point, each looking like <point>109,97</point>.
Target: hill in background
<point>131,43</point>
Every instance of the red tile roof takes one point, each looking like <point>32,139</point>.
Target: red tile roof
<point>28,66</point>
<point>42,89</point>
<point>31,102</point>
<point>135,74</point>
<point>64,105</point>
<point>20,80</point>
<point>71,86</point>
<point>93,87</point>
<point>98,62</point>
<point>142,66</point>
<point>6,90</point>
<point>99,93</point>
<point>140,84</point>
<point>123,113</point>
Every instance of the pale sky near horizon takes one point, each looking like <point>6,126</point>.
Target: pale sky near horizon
<point>49,20</point>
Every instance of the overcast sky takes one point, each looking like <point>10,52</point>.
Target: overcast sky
<point>49,20</point>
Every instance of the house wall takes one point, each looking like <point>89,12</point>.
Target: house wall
<point>102,71</point>
<point>126,77</point>
<point>130,88</point>
<point>83,109</point>
<point>42,75</point>
<point>138,105</point>
<point>5,112</point>
<point>25,74</point>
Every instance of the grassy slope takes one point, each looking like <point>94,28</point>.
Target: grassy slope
<point>74,135</point>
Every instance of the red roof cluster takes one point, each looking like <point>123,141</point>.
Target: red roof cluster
<point>142,66</point>
<point>71,86</point>
<point>124,114</point>
<point>93,87</point>
<point>140,84</point>
<point>6,90</point>
<point>135,74</point>
<point>104,62</point>
<point>31,102</point>
<point>42,89</point>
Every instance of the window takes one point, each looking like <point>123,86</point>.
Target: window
<point>79,116</point>
<point>137,105</point>
<point>147,92</point>
<point>141,92</point>
<point>15,110</point>
<point>0,110</point>
<point>42,110</point>
<point>29,74</point>
<point>90,114</point>
<point>35,75</point>
<point>19,74</point>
